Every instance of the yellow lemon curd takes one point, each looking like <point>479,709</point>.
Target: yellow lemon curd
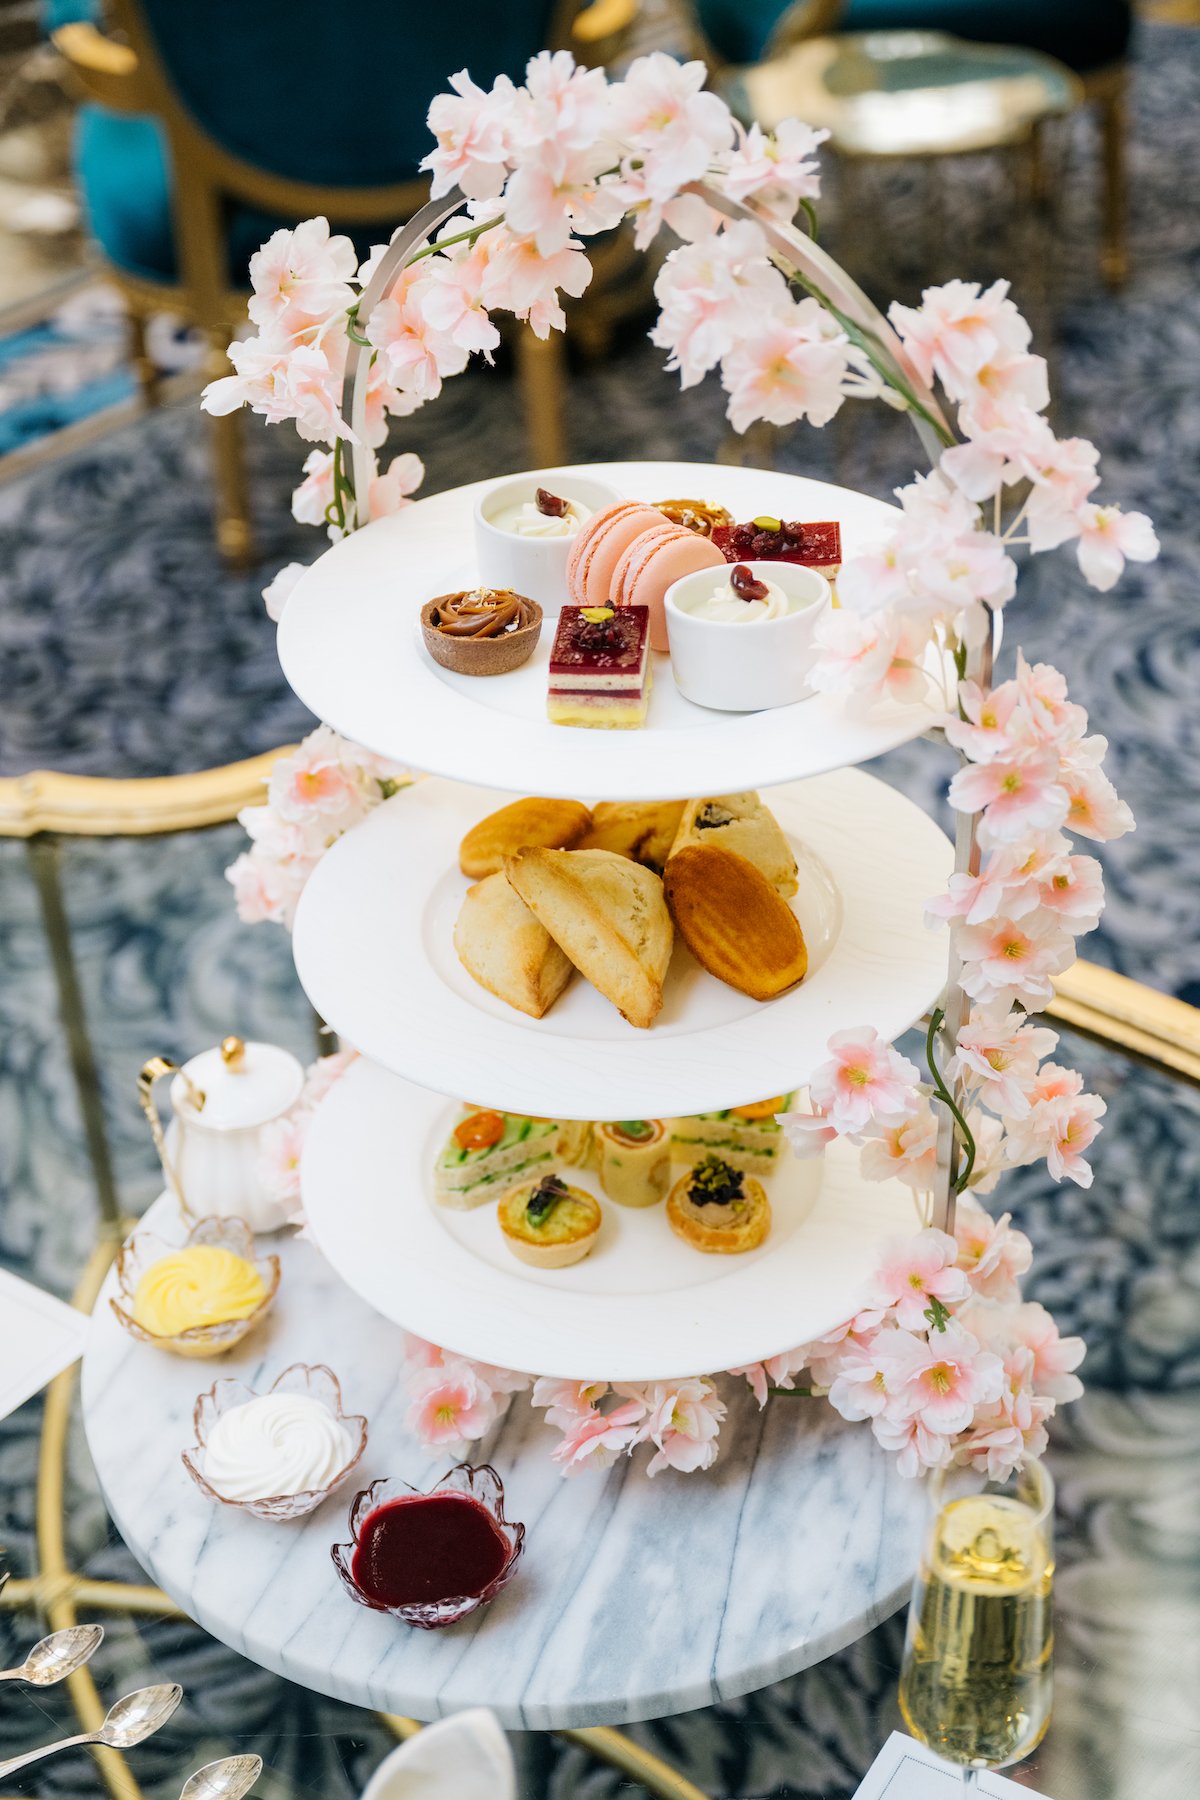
<point>202,1284</point>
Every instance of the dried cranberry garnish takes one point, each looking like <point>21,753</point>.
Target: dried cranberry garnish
<point>745,585</point>
<point>550,504</point>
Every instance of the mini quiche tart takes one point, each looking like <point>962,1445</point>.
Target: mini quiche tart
<point>719,1209</point>
<point>549,1224</point>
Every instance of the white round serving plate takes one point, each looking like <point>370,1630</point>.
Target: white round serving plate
<point>643,1306</point>
<point>373,945</point>
<point>350,645</point>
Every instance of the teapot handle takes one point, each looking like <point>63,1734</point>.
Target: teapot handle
<point>152,1071</point>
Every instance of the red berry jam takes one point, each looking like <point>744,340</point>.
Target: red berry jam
<point>426,1549</point>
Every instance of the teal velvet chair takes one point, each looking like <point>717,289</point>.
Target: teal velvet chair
<point>1090,36</point>
<point>211,124</point>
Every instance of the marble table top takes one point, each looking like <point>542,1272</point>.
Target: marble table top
<point>636,1597</point>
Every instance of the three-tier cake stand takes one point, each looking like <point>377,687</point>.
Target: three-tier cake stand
<point>636,1597</point>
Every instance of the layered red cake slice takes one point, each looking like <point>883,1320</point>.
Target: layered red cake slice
<point>600,669</point>
<point>817,546</point>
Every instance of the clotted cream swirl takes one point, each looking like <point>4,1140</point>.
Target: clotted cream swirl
<point>202,1284</point>
<point>724,604</point>
<point>527,520</point>
<point>275,1444</point>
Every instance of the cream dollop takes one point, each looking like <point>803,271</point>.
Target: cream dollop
<point>725,606</point>
<point>526,521</point>
<point>275,1444</point>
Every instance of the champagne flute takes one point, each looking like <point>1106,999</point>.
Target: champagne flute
<point>975,1682</point>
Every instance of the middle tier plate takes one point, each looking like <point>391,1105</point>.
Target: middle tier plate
<point>375,953</point>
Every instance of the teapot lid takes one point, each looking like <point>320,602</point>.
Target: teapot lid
<point>243,1083</point>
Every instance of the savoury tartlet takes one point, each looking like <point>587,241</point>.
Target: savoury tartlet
<point>718,1209</point>
<point>548,1223</point>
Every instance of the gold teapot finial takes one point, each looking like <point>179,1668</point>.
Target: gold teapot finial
<point>233,1054</point>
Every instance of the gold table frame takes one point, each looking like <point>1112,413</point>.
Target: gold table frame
<point>1152,1028</point>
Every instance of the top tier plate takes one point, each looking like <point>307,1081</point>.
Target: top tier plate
<point>351,648</point>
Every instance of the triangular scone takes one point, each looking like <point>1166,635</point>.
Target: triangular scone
<point>508,952</point>
<point>740,822</point>
<point>609,915</point>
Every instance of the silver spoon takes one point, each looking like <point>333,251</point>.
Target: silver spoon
<point>57,1656</point>
<point>228,1779</point>
<point>129,1721</point>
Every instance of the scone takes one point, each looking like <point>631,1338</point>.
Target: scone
<point>641,830</point>
<point>733,921</point>
<point>719,1210</point>
<point>740,822</point>
<point>609,915</point>
<point>556,824</point>
<point>549,1224</point>
<point>508,952</point>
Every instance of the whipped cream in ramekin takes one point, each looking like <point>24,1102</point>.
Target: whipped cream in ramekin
<point>726,607</point>
<point>275,1444</point>
<point>527,521</point>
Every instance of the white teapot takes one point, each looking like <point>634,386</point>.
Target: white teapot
<point>211,1151</point>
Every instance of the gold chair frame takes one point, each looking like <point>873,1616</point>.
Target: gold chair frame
<point>1152,1028</point>
<point>126,75</point>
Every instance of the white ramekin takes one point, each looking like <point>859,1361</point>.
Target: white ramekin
<point>535,567</point>
<point>746,668</point>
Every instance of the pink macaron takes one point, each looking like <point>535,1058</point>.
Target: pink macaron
<point>599,546</point>
<point>657,557</point>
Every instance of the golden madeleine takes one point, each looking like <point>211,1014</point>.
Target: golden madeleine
<point>733,921</point>
<point>554,824</point>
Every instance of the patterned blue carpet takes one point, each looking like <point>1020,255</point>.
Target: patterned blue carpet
<point>127,650</point>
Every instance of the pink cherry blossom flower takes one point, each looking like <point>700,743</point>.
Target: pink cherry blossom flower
<point>1063,472</point>
<point>416,356</point>
<point>565,1402</point>
<point>991,1253</point>
<point>905,1151</point>
<point>915,1272</point>
<point>984,733</point>
<point>807,1133</point>
<point>325,1074</point>
<point>865,1082</point>
<point>1055,1358</point>
<point>958,571</point>
<point>876,656</point>
<point>911,1441</point>
<point>1055,1083</point>
<point>1013,1428</point>
<point>958,330</point>
<point>873,1372</point>
<point>1014,959</point>
<point>553,193</point>
<point>278,590</point>
<point>594,1439</point>
<point>450,1405</point>
<point>419,1353</point>
<point>562,105</point>
<point>280,1144</point>
<point>683,1420</point>
<point>1094,809</point>
<point>316,780</point>
<point>778,169</point>
<point>1059,1130</point>
<point>282,380</point>
<point>472,131</point>
<point>264,892</point>
<point>314,496</point>
<point>520,280</point>
<point>453,303</point>
<point>989,1165</point>
<point>777,1371</point>
<point>710,293</point>
<point>793,366</point>
<point>974,899</point>
<point>1108,538</point>
<point>1073,887</point>
<point>688,215</point>
<point>301,278</point>
<point>876,580</point>
<point>998,1059</point>
<point>389,492</point>
<point>953,1375</point>
<point>659,111</point>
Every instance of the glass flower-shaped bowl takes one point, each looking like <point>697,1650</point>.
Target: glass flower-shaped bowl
<point>482,1485</point>
<point>317,1383</point>
<point>145,1248</point>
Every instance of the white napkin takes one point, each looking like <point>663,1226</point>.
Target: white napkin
<point>465,1757</point>
<point>906,1770</point>
<point>39,1338</point>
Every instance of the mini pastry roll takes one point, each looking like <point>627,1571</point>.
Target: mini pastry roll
<point>633,1160</point>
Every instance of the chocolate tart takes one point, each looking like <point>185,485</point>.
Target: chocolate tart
<point>482,654</point>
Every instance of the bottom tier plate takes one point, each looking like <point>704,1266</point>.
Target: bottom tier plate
<point>634,1598</point>
<point>644,1306</point>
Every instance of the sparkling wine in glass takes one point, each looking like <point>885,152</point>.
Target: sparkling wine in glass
<point>975,1683</point>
